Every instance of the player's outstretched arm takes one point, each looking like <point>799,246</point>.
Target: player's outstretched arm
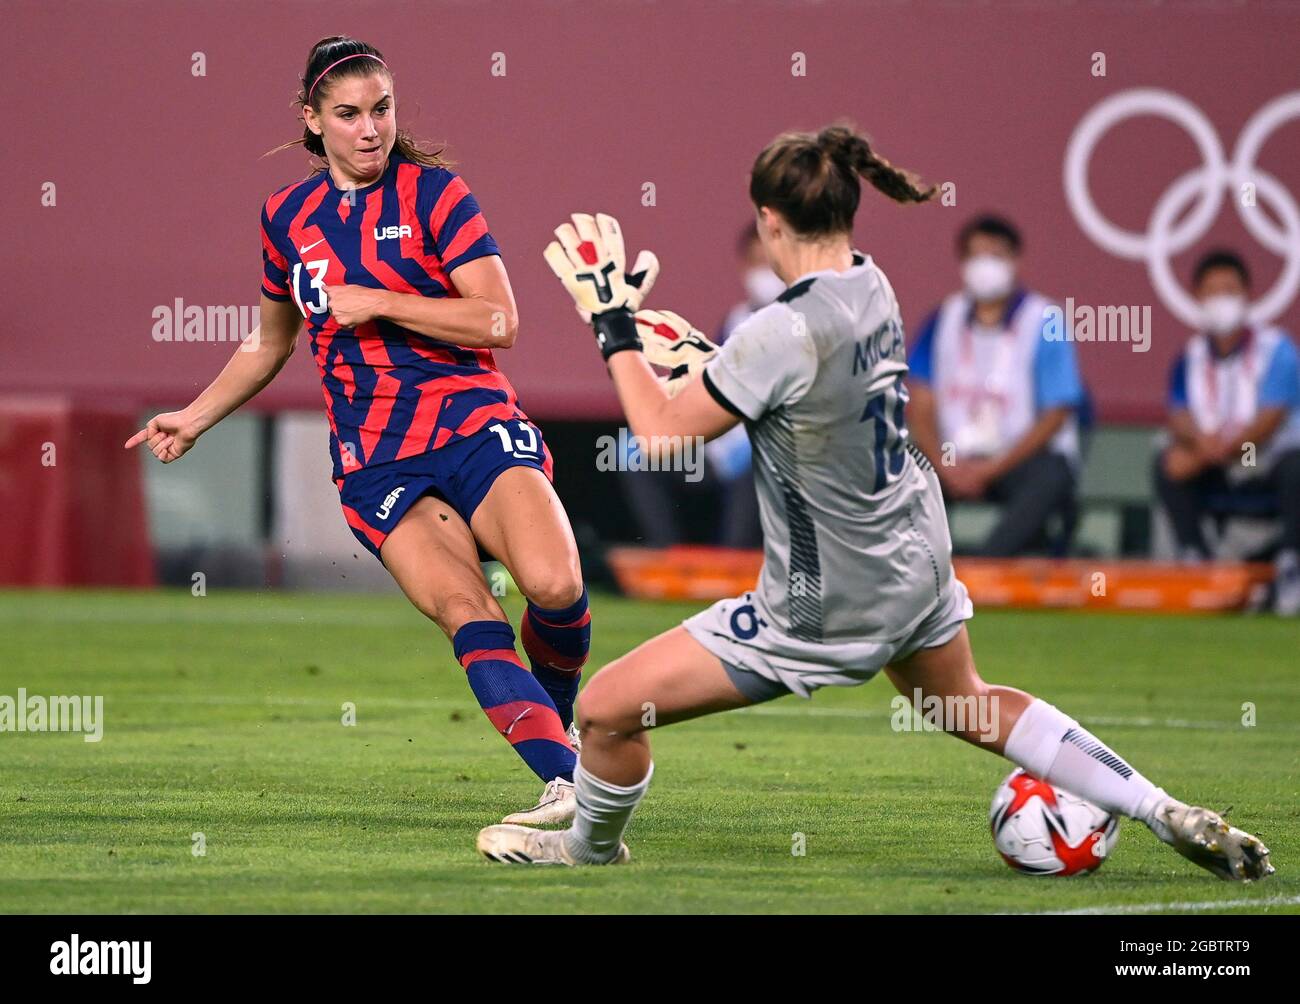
<point>254,364</point>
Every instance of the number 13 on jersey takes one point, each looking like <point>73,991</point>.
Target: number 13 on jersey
<point>317,269</point>
<point>525,448</point>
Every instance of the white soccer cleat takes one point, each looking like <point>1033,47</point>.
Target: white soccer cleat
<point>520,845</point>
<point>575,737</point>
<point>557,805</point>
<point>1202,837</point>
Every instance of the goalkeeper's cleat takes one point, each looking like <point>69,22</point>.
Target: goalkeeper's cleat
<point>1202,837</point>
<point>575,737</point>
<point>519,845</point>
<point>557,805</point>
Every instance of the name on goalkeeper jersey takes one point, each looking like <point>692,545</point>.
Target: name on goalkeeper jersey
<point>886,342</point>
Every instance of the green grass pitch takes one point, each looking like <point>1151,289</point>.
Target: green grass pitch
<point>223,717</point>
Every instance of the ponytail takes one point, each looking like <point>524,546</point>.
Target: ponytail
<point>852,151</point>
<point>812,179</point>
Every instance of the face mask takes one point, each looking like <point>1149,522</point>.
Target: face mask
<point>762,286</point>
<point>988,277</point>
<point>1223,314</point>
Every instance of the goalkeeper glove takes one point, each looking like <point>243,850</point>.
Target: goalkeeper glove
<point>671,342</point>
<point>589,259</point>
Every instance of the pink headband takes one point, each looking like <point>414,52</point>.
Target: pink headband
<point>355,55</point>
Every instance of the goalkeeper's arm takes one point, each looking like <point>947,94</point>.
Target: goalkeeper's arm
<point>652,414</point>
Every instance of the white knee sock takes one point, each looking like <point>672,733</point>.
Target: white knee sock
<point>1056,748</point>
<point>603,813</point>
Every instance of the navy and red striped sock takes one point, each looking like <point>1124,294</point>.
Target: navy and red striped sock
<point>514,701</point>
<point>557,643</point>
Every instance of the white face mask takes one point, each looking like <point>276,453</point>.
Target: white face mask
<point>762,286</point>
<point>988,277</point>
<point>1223,314</point>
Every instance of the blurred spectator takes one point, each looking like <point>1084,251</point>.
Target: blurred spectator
<point>994,404</point>
<point>656,497</point>
<point>760,283</point>
<point>1234,424</point>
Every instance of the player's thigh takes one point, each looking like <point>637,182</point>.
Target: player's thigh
<point>432,555</point>
<point>670,678</point>
<point>522,523</point>
<point>946,670</point>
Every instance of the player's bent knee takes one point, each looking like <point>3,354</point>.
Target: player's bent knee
<point>599,711</point>
<point>454,610</point>
<point>553,588</point>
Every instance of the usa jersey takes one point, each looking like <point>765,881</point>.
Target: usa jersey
<point>390,393</point>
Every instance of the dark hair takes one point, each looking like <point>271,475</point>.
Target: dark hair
<point>323,55</point>
<point>811,179</point>
<point>991,226</point>
<point>1220,258</point>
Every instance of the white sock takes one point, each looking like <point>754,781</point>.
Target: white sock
<point>1053,746</point>
<point>603,813</point>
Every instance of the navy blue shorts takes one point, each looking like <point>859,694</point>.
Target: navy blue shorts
<point>375,498</point>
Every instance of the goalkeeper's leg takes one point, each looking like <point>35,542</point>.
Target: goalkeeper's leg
<point>670,678</point>
<point>1050,745</point>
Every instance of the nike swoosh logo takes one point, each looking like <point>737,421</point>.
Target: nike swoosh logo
<point>310,246</point>
<point>512,725</point>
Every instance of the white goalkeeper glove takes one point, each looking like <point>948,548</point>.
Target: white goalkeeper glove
<point>589,259</point>
<point>669,341</point>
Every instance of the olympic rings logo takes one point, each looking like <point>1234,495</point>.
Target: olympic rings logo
<point>1204,185</point>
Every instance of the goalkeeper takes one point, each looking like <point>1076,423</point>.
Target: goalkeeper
<point>857,573</point>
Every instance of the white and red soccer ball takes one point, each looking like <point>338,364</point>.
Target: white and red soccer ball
<point>1041,830</point>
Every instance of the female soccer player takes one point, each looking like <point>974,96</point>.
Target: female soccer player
<point>857,575</point>
<point>386,254</point>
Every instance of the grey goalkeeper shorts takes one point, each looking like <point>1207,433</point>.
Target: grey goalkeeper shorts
<point>764,662</point>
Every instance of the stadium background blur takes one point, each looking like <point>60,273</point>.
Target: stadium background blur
<point>159,177</point>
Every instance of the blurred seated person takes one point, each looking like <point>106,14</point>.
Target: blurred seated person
<point>657,498</point>
<point>1234,424</point>
<point>994,404</point>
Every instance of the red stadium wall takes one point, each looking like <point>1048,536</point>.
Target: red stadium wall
<point>72,498</point>
<point>159,175</point>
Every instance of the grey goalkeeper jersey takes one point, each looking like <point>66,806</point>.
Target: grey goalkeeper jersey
<point>856,545</point>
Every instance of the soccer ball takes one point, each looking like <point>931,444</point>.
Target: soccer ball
<point>1041,830</point>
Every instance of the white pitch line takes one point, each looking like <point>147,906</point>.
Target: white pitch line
<point>793,711</point>
<point>199,614</point>
<point>1141,721</point>
<point>1221,904</point>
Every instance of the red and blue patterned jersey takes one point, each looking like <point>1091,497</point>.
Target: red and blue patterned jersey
<point>390,393</point>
